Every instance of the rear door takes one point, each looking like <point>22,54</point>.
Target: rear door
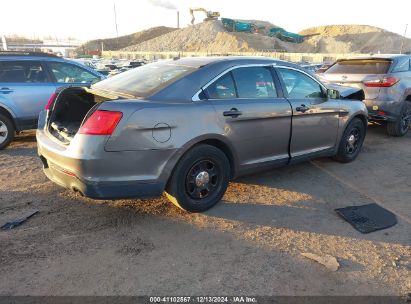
<point>355,72</point>
<point>315,117</point>
<point>254,116</point>
<point>25,87</point>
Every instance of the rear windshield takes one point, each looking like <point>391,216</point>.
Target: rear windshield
<point>360,66</point>
<point>145,80</point>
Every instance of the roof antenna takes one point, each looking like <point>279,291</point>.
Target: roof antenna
<point>403,38</point>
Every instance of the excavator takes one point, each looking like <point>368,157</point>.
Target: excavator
<point>210,15</point>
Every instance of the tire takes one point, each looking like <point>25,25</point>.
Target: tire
<point>351,141</point>
<point>401,126</point>
<point>200,179</point>
<point>7,131</point>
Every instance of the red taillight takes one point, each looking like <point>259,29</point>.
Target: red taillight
<point>52,97</point>
<point>101,123</point>
<point>381,83</point>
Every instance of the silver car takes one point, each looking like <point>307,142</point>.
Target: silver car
<point>188,126</point>
<point>386,82</point>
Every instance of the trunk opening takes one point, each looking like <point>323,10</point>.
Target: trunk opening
<point>71,108</point>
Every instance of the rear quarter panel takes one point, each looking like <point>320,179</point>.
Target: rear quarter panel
<point>163,126</point>
<point>167,126</point>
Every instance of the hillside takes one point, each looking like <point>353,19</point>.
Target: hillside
<point>124,41</point>
<point>211,36</point>
<point>16,39</point>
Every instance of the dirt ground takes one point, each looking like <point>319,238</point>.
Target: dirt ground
<point>250,243</point>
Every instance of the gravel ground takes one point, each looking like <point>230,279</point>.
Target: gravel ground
<point>250,243</point>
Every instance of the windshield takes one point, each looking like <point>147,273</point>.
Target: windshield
<point>144,80</point>
<point>360,66</point>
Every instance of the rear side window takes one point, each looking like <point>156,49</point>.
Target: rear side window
<point>254,82</point>
<point>70,73</point>
<point>402,65</point>
<point>360,66</point>
<point>22,72</point>
<point>222,88</point>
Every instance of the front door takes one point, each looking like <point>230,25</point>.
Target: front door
<point>315,117</point>
<point>253,116</point>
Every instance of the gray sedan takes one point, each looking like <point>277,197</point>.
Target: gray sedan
<point>188,126</point>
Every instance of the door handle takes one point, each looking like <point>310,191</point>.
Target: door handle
<point>303,108</point>
<point>5,90</point>
<point>234,113</point>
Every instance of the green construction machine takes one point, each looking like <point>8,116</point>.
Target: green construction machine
<point>282,34</point>
<point>248,27</point>
<point>238,26</point>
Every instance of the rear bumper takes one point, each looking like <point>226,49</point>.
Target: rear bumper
<point>382,110</point>
<point>99,174</point>
<point>101,190</point>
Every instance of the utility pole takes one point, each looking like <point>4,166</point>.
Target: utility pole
<point>4,42</point>
<point>403,38</point>
<point>115,21</point>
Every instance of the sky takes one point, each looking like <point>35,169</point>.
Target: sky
<point>90,19</point>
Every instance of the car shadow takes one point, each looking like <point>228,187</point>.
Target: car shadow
<point>22,145</point>
<point>300,198</point>
<point>26,136</point>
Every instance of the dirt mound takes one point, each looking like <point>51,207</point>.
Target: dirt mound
<point>112,44</point>
<point>211,36</point>
<point>208,36</point>
<point>338,30</point>
<point>353,38</point>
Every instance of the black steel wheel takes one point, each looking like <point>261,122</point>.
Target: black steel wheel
<point>200,179</point>
<point>351,141</point>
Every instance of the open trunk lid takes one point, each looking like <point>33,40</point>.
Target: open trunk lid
<point>357,72</point>
<point>70,109</point>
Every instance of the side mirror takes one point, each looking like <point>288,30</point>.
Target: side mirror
<point>333,94</point>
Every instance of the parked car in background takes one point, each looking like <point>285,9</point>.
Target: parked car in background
<point>27,80</point>
<point>324,67</point>
<point>86,62</point>
<point>111,67</point>
<point>311,67</point>
<point>386,81</point>
<point>104,72</point>
<point>136,63</point>
<point>188,126</point>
